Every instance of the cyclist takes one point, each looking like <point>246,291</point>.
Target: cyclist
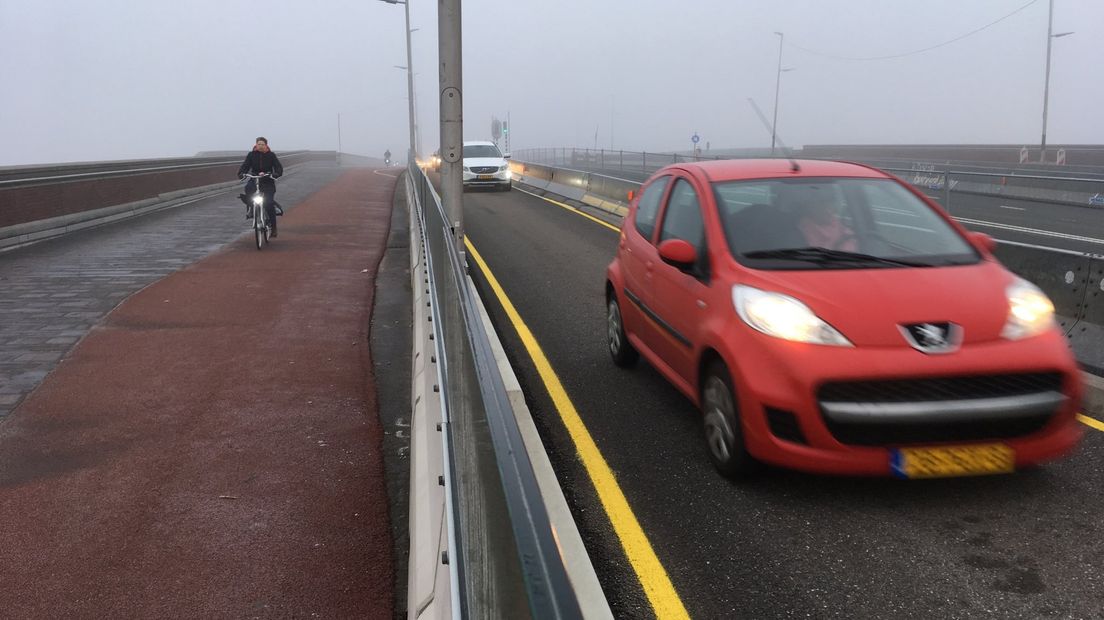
<point>261,160</point>
<point>387,157</point>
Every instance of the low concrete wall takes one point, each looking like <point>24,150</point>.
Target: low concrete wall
<point>57,208</point>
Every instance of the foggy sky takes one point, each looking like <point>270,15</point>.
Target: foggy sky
<point>119,79</point>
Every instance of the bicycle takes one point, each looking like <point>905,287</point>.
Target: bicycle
<point>261,226</point>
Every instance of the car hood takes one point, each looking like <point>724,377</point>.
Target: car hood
<point>868,305</point>
<point>484,161</point>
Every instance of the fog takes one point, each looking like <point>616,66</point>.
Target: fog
<point>117,80</point>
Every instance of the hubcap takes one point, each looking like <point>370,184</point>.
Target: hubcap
<point>614,328</point>
<point>718,412</point>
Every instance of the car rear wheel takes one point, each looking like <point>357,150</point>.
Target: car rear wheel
<point>723,435</point>
<point>622,352</point>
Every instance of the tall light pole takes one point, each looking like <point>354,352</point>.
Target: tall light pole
<point>1046,84</point>
<point>777,84</point>
<point>411,152</point>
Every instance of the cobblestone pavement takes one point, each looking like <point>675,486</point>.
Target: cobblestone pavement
<point>52,293</point>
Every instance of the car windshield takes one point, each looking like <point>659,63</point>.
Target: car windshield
<point>838,223</point>
<point>481,150</point>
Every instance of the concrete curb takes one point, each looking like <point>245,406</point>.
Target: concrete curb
<point>580,570</point>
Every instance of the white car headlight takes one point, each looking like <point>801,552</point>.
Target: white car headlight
<point>258,199</point>
<point>504,167</point>
<point>466,169</point>
<point>783,317</point>
<point>1030,311</point>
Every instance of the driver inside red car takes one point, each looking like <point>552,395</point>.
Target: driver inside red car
<point>822,227</point>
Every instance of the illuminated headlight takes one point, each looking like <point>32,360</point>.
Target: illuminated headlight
<point>1030,311</point>
<point>258,200</point>
<point>783,317</point>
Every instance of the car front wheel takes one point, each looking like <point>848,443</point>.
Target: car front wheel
<point>723,435</point>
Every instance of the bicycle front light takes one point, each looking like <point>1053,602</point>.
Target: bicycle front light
<point>258,200</point>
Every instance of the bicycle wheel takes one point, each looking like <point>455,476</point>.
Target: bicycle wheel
<point>260,231</point>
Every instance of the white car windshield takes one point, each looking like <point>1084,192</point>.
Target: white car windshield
<point>481,150</point>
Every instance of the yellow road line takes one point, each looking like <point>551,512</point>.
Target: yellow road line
<point>1093,422</point>
<point>573,210</point>
<point>653,577</point>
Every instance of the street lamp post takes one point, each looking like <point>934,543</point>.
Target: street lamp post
<point>1046,84</point>
<point>777,86</point>
<point>412,151</point>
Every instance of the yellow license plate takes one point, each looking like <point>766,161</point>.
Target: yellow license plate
<point>486,177</point>
<point>993,458</point>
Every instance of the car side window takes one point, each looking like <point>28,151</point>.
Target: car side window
<point>683,219</point>
<point>648,207</point>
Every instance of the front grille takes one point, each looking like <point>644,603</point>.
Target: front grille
<point>484,169</point>
<point>783,425</point>
<point>935,390</point>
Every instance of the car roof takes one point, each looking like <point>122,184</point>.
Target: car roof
<point>741,169</point>
<point>478,143</point>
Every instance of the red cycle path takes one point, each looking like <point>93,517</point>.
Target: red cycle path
<point>213,450</point>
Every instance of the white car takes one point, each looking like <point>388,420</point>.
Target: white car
<point>485,165</point>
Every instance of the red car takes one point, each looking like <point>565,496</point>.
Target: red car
<point>827,317</point>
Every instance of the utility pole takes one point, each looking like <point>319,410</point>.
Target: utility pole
<point>777,84</point>
<point>339,138</point>
<point>1046,84</point>
<point>449,52</point>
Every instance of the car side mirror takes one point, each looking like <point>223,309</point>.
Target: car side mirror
<point>506,156</point>
<point>983,241</point>
<point>679,253</point>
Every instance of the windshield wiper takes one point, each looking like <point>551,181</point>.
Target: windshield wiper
<point>825,256</point>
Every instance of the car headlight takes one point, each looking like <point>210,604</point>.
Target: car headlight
<point>783,317</point>
<point>503,167</point>
<point>258,199</point>
<point>466,169</point>
<point>1030,311</point>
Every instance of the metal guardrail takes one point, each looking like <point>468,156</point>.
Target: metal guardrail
<point>1075,190</point>
<point>501,572</point>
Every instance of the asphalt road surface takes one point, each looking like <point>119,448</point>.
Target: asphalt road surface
<point>783,545</point>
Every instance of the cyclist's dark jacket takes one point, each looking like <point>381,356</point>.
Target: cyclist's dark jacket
<point>257,162</point>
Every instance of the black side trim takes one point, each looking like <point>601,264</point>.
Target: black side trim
<point>683,340</point>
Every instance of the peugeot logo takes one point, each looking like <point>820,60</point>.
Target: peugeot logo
<point>933,337</point>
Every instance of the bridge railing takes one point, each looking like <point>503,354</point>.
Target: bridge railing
<point>500,546</point>
<point>1064,188</point>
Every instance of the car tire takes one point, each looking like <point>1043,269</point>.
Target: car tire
<point>507,187</point>
<point>622,352</point>
<point>724,437</point>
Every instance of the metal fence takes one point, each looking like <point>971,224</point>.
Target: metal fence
<point>502,547</point>
<point>944,178</point>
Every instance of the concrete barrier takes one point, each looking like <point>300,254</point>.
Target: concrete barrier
<point>429,589</point>
<point>1062,275</point>
<point>61,207</point>
<point>1087,335</point>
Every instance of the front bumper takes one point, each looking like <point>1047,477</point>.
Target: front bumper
<point>778,380</point>
<point>497,178</point>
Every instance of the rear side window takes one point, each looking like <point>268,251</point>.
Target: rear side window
<point>648,207</point>
<point>682,219</point>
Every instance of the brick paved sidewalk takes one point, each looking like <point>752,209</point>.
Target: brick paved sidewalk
<point>52,293</point>
<point>211,449</point>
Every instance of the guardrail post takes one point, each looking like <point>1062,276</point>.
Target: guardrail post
<point>621,160</point>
